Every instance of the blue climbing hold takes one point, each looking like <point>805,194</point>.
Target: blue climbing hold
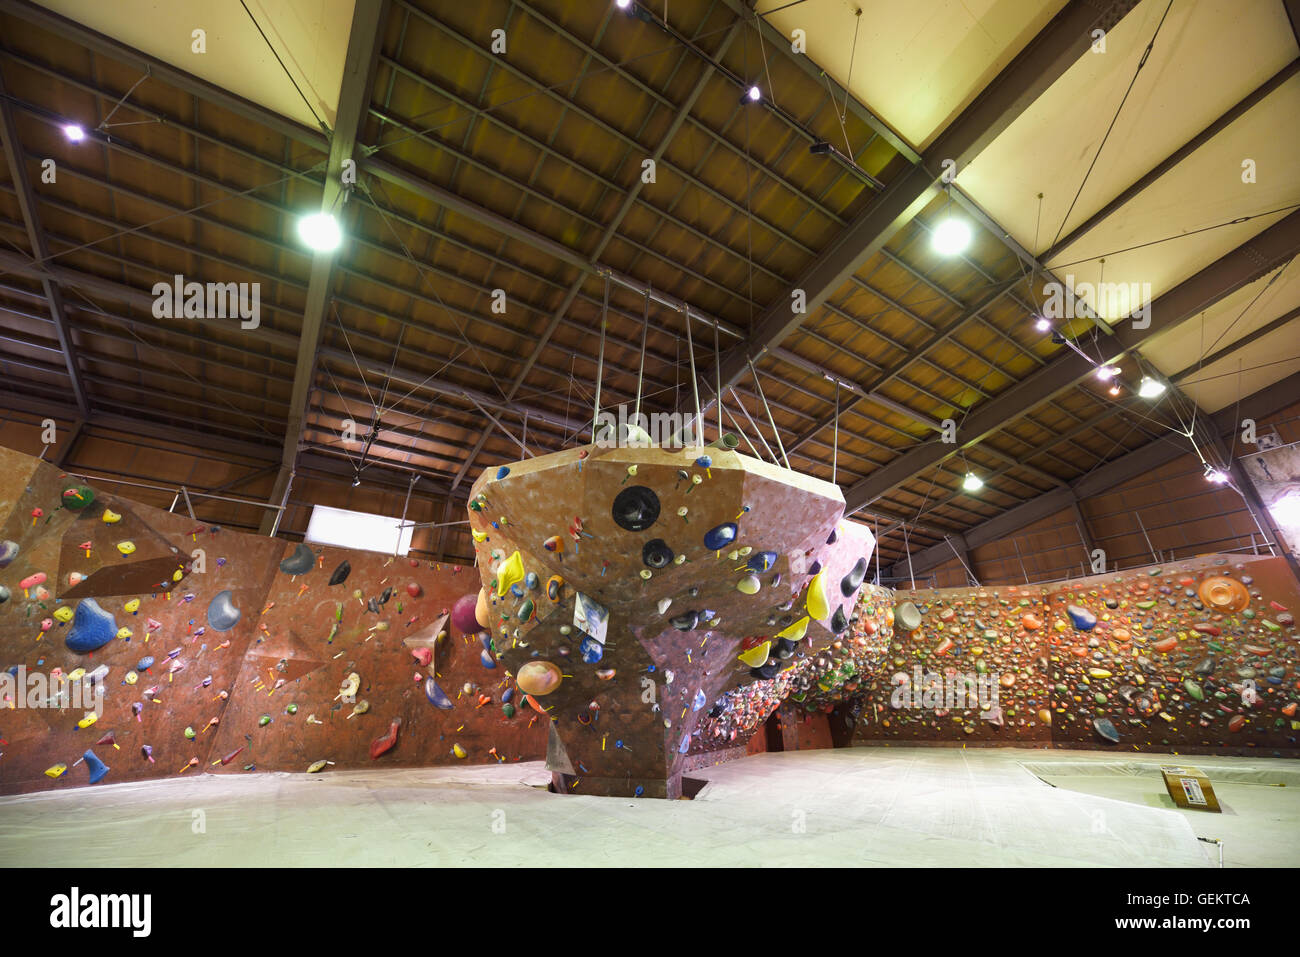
<point>592,650</point>
<point>699,701</point>
<point>762,561</point>
<point>145,663</point>
<point>486,658</point>
<point>300,562</point>
<point>437,697</point>
<point>92,628</point>
<point>503,471</point>
<point>97,767</point>
<point>720,536</point>
<point>704,461</point>
<point>507,695</point>
<point>222,613</point>
<point>1081,618</point>
<point>1106,729</point>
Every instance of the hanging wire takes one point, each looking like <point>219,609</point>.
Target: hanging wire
<point>771,421</point>
<point>640,372</point>
<point>600,362</point>
<point>835,450</point>
<point>717,365</point>
<point>695,382</point>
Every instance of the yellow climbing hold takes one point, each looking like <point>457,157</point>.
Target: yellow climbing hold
<point>510,573</point>
<point>56,771</point>
<point>111,517</point>
<point>819,603</point>
<point>124,633</point>
<point>456,748</point>
<point>796,631</point>
<point>63,613</point>
<point>757,655</point>
<point>127,547</point>
<point>478,536</point>
<point>132,606</point>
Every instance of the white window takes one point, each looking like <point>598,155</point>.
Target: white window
<point>372,533</point>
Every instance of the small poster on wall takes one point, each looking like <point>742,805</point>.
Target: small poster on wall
<point>590,617</point>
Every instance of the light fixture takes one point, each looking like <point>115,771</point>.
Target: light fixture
<point>1151,388</point>
<point>1217,476</point>
<point>623,4</point>
<point>356,482</point>
<point>1106,373</point>
<point>73,132</point>
<point>950,237</point>
<point>753,94</point>
<point>1113,390</point>
<point>320,231</point>
<point>1042,325</point>
<point>972,482</point>
<point>820,148</point>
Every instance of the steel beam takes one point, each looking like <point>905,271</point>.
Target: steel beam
<point>1243,265</point>
<point>1066,38</point>
<point>1139,462</point>
<point>364,41</point>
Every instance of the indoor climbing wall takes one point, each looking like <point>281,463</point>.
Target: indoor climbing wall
<point>1198,656</point>
<point>205,642</point>
<point>356,661</point>
<point>627,589</point>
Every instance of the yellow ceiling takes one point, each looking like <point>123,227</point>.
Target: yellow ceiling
<point>311,37</point>
<point>919,63</point>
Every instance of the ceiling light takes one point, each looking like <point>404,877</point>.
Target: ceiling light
<point>753,94</point>
<point>320,231</point>
<point>972,482</point>
<point>623,4</point>
<point>1042,325</point>
<point>1217,476</point>
<point>1286,510</point>
<point>74,133</point>
<point>1113,390</point>
<point>1106,373</point>
<point>950,237</point>
<point>356,482</point>
<point>1151,388</point>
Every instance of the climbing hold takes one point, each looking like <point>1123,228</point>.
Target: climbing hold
<point>502,472</point>
<point>92,628</point>
<point>341,573</point>
<point>63,614</point>
<point>720,536</point>
<point>819,605</point>
<point>4,594</point>
<point>437,697</point>
<point>839,621</point>
<point>126,548</point>
<point>510,572</point>
<point>78,497</point>
<point>635,508</point>
<point>1224,594</point>
<point>761,561</point>
<point>656,553</point>
<point>851,582</point>
<point>1081,618</point>
<point>1106,729</point>
<point>463,613</point>
<point>755,657</point>
<point>554,544</point>
<point>385,742</point>
<point>457,750</point>
<point>317,766</point>
<point>222,613</point>
<point>145,663</point>
<point>796,631</point>
<point>8,552</point>
<point>749,585</point>
<point>553,586</point>
<point>663,604</point>
<point>539,677</point>
<point>111,517</point>
<point>686,621</point>
<point>132,606</point>
<point>907,616</point>
<point>56,771</point>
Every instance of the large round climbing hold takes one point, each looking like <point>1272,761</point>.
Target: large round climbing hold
<point>463,614</point>
<point>720,536</point>
<point>301,561</point>
<point>482,613</point>
<point>635,508</point>
<point>656,553</point>
<point>748,585</point>
<point>907,616</point>
<point>222,613</point>
<point>539,677</point>
<point>1224,594</point>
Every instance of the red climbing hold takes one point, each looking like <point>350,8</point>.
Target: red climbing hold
<point>385,742</point>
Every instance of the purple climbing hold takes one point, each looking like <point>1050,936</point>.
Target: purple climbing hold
<point>1081,618</point>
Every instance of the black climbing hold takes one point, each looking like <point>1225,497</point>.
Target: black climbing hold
<point>373,605</point>
<point>302,560</point>
<point>814,568</point>
<point>766,671</point>
<point>388,593</point>
<point>853,580</point>
<point>686,621</point>
<point>341,573</point>
<point>656,553</point>
<point>635,508</point>
<point>784,648</point>
<point>839,621</point>
<point>835,536</point>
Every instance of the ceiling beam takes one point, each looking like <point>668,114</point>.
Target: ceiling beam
<point>16,160</point>
<point>1243,265</point>
<point>1058,46</point>
<point>1139,462</point>
<point>364,41</point>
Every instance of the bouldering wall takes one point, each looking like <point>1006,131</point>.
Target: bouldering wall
<point>332,613</point>
<point>627,589</point>
<point>1197,656</point>
<point>192,653</point>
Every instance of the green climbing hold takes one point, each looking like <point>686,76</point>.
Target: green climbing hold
<point>508,710</point>
<point>263,721</point>
<point>1194,689</point>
